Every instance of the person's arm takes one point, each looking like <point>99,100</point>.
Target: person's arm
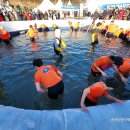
<point>113,98</point>
<point>122,77</point>
<point>59,73</point>
<point>27,33</point>
<point>103,73</point>
<point>106,33</point>
<point>114,67</point>
<point>85,92</point>
<point>38,87</point>
<point>120,74</point>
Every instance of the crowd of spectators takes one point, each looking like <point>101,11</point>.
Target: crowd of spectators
<point>9,12</point>
<point>116,13</point>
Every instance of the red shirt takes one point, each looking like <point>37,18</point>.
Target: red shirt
<point>1,19</point>
<point>5,36</point>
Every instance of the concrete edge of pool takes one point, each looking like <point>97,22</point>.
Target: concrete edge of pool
<point>113,116</point>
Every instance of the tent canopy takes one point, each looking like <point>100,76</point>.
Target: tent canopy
<point>45,5</point>
<point>58,5</point>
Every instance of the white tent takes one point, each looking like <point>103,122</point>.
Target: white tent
<point>69,3</point>
<point>45,5</point>
<point>58,5</point>
<point>69,7</point>
<point>71,12</point>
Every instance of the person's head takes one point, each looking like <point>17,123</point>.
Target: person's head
<point>112,22</point>
<point>116,60</point>
<point>98,24</point>
<point>57,33</point>
<point>35,25</point>
<point>30,26</point>
<point>111,83</point>
<point>37,62</point>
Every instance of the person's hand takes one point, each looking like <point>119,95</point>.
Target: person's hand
<point>124,79</point>
<point>84,108</point>
<point>104,74</point>
<point>119,101</point>
<point>45,90</point>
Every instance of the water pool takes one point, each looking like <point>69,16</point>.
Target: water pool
<point>16,78</point>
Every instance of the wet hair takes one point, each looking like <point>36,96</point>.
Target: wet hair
<point>111,82</point>
<point>117,60</point>
<point>37,62</point>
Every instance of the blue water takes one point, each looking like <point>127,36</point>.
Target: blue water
<point>16,71</point>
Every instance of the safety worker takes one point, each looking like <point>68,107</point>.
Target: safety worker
<point>105,62</point>
<point>124,69</point>
<point>4,35</point>
<point>49,77</point>
<point>92,93</point>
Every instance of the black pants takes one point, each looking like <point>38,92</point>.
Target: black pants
<point>7,41</point>
<point>88,102</point>
<point>57,52</point>
<point>54,91</point>
<point>95,74</point>
<point>72,28</point>
<point>32,39</point>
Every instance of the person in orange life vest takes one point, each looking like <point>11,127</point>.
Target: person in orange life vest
<point>104,30</point>
<point>128,35</point>
<point>35,29</point>
<point>105,62</point>
<point>5,35</point>
<point>124,70</point>
<point>91,94</point>
<point>49,77</point>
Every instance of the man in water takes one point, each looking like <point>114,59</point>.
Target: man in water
<point>91,94</point>
<point>124,70</point>
<point>49,77</point>
<point>31,34</point>
<point>105,62</point>
<point>4,35</point>
<point>58,43</point>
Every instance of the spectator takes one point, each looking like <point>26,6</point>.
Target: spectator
<point>121,14</point>
<point>96,15</point>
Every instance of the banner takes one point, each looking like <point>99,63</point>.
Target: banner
<point>64,6</point>
<point>125,5</point>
